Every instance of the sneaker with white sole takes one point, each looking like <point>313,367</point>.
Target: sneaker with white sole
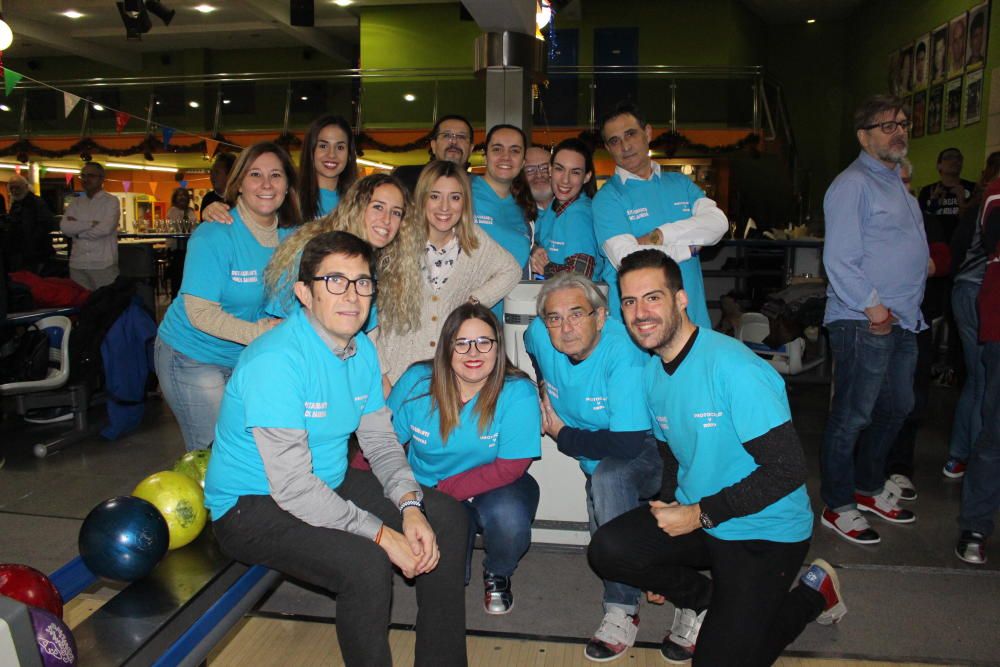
<point>822,578</point>
<point>885,505</point>
<point>678,646</point>
<point>971,547</point>
<point>850,525</point>
<point>498,598</point>
<point>907,491</point>
<point>954,468</point>
<point>614,637</point>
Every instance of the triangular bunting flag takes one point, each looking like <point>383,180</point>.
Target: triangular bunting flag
<point>42,170</point>
<point>168,134</point>
<point>17,169</point>
<point>211,145</point>
<point>69,179</point>
<point>121,119</point>
<point>184,184</point>
<point>152,187</point>
<point>69,101</point>
<point>10,80</point>
<point>127,186</point>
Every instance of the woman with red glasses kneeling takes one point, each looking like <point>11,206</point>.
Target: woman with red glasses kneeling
<point>473,426</point>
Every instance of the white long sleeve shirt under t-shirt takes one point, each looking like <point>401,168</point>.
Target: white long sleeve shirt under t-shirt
<point>92,223</point>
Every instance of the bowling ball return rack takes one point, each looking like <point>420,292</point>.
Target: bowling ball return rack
<point>174,616</point>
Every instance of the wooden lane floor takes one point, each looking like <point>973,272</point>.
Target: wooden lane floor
<point>265,641</point>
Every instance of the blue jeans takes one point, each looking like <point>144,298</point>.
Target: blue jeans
<point>193,390</point>
<point>873,394</point>
<point>503,516</point>
<point>981,486</point>
<point>969,411</point>
<point>617,486</point>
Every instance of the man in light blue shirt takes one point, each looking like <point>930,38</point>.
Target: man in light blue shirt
<point>876,259</point>
<point>591,370</point>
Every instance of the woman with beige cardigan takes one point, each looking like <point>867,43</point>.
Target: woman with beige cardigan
<point>461,264</point>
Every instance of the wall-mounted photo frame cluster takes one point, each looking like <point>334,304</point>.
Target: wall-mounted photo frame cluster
<point>940,73</point>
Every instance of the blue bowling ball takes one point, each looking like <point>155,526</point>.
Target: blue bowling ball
<point>123,538</point>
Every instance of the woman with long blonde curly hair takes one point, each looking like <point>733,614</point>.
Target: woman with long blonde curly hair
<point>377,209</point>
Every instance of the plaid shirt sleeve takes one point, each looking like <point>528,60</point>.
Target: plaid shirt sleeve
<point>579,263</point>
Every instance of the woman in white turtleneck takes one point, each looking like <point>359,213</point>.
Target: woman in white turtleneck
<point>220,308</point>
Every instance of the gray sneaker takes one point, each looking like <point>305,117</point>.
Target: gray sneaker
<point>498,599</point>
<point>971,547</point>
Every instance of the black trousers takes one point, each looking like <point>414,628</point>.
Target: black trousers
<point>752,616</point>
<point>257,531</point>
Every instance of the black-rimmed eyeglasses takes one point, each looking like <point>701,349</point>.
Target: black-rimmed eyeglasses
<point>338,284</point>
<point>889,126</point>
<point>483,344</point>
<point>574,318</point>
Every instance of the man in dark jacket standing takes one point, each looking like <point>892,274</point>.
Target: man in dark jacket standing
<point>27,245</point>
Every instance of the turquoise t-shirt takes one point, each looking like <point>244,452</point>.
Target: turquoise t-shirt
<point>514,433</point>
<point>504,221</point>
<point>721,396</point>
<point>571,233</point>
<point>289,378</point>
<point>328,200</point>
<point>596,393</point>
<point>638,207</point>
<point>224,264</point>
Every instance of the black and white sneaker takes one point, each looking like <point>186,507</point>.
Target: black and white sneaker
<point>498,599</point>
<point>678,646</point>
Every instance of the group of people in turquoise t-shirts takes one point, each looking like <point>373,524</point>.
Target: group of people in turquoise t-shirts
<point>471,423</point>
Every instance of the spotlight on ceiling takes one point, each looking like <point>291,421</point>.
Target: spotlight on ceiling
<point>161,12</point>
<point>135,18</point>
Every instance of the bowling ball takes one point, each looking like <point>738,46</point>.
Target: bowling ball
<point>181,502</point>
<point>55,641</point>
<point>28,585</point>
<point>194,464</point>
<point>123,538</point>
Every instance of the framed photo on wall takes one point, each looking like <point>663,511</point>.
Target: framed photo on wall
<point>973,97</point>
<point>904,79</point>
<point>939,54</point>
<point>979,25</point>
<point>952,103</point>
<point>893,73</point>
<point>921,51</point>
<point>957,44</point>
<point>935,100</point>
<point>918,114</point>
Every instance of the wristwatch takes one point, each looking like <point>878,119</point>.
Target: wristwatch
<point>706,521</point>
<point>419,504</point>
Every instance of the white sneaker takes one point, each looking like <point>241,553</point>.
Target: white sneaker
<point>678,645</point>
<point>904,485</point>
<point>614,637</point>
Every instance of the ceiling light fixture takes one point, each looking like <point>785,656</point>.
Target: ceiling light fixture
<point>72,14</point>
<point>61,170</point>
<point>98,107</point>
<point>193,104</point>
<point>810,20</point>
<point>409,97</point>
<point>343,3</point>
<point>6,35</point>
<point>4,107</point>
<point>205,9</point>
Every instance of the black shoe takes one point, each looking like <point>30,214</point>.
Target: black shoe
<point>498,599</point>
<point>971,547</point>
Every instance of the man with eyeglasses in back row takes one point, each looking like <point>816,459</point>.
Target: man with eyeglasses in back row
<point>451,139</point>
<point>589,372</point>
<point>876,258</point>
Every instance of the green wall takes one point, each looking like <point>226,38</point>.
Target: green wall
<point>879,27</point>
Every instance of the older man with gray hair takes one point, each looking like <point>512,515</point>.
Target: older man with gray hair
<point>26,243</point>
<point>591,370</point>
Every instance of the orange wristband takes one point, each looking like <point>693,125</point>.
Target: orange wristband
<point>378,535</point>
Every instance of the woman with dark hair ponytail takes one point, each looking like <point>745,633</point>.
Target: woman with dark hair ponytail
<point>564,232</point>
<point>502,198</point>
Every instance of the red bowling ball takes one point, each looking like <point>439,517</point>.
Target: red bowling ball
<point>31,587</point>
